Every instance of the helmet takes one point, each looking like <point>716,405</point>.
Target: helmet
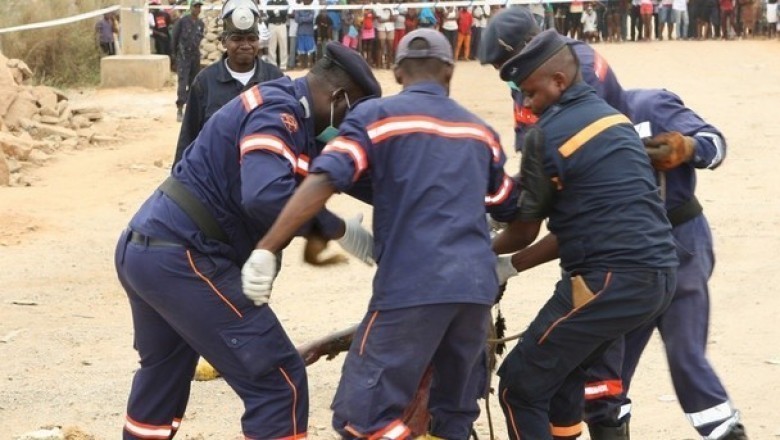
<point>240,15</point>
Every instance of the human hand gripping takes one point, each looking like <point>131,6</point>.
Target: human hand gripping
<point>257,276</point>
<point>669,150</point>
<point>357,240</point>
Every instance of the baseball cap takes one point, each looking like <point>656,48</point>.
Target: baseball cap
<point>196,3</point>
<point>505,33</point>
<point>438,46</point>
<point>540,49</point>
<point>356,67</point>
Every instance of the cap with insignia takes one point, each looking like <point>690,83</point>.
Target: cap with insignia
<point>540,49</point>
<point>506,32</point>
<point>355,66</point>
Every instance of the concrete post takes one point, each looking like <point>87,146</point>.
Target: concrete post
<point>134,66</point>
<point>134,27</point>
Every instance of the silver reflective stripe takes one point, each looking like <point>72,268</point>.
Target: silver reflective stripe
<point>624,411</point>
<point>723,428</point>
<point>718,141</point>
<point>643,129</point>
<point>714,414</point>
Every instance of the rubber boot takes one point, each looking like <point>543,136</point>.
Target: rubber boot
<point>737,432</point>
<point>601,432</point>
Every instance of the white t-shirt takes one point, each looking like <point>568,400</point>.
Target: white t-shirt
<point>680,5</point>
<point>589,21</point>
<point>771,12</point>
<point>242,77</point>
<point>450,20</point>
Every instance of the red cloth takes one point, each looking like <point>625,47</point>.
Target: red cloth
<point>464,21</point>
<point>726,5</point>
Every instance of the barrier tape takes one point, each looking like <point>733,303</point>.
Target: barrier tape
<point>315,7</point>
<point>59,21</point>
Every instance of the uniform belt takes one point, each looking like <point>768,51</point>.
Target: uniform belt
<point>194,208</point>
<point>684,212</point>
<point>139,238</point>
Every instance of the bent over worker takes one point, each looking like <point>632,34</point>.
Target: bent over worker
<point>585,169</point>
<point>434,167</point>
<point>181,256</point>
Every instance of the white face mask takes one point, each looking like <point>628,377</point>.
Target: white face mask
<point>331,131</point>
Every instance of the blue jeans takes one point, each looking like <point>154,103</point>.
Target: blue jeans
<point>681,21</point>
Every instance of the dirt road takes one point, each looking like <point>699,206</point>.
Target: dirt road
<point>66,354</point>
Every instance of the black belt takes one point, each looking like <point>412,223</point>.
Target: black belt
<point>684,212</point>
<point>194,208</point>
<point>139,238</point>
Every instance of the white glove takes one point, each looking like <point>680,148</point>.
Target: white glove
<point>357,240</point>
<point>257,276</point>
<point>504,269</point>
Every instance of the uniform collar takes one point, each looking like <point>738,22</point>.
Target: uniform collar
<point>427,87</point>
<point>303,95</point>
<point>575,91</point>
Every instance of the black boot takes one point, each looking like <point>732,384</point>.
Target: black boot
<point>601,432</point>
<point>737,432</point>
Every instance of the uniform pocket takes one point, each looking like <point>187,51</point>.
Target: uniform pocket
<point>259,343</point>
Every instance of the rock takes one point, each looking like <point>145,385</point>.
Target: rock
<point>86,109</point>
<point>38,157</point>
<point>16,147</point>
<point>45,96</point>
<point>63,107</point>
<point>104,138</point>
<point>14,166</point>
<point>41,131</point>
<point>6,77</point>
<point>79,122</point>
<point>22,108</point>
<point>43,434</point>
<point>5,172</point>
<point>53,120</point>
<point>93,116</point>
<point>21,66</point>
<point>49,111</point>
<point>7,97</point>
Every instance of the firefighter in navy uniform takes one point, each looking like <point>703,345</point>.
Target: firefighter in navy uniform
<point>180,259</point>
<point>678,141</point>
<point>240,67</point>
<point>509,31</point>
<point>585,169</point>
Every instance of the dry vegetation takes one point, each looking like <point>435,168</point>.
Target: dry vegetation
<point>65,55</point>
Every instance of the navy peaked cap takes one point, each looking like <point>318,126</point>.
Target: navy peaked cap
<point>540,49</point>
<point>505,34</point>
<point>355,66</point>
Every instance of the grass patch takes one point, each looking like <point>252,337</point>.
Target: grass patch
<point>60,56</point>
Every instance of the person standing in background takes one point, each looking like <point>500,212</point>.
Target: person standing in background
<point>277,26</point>
<point>463,45</point>
<point>104,34</point>
<point>292,40</point>
<point>681,18</point>
<point>160,27</point>
<point>305,45</point>
<point>240,66</point>
<point>187,34</point>
<point>480,15</point>
<point>324,31</point>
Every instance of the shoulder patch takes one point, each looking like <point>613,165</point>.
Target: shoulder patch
<point>289,122</point>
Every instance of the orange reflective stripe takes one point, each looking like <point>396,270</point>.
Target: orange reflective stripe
<point>583,136</point>
<point>566,431</point>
